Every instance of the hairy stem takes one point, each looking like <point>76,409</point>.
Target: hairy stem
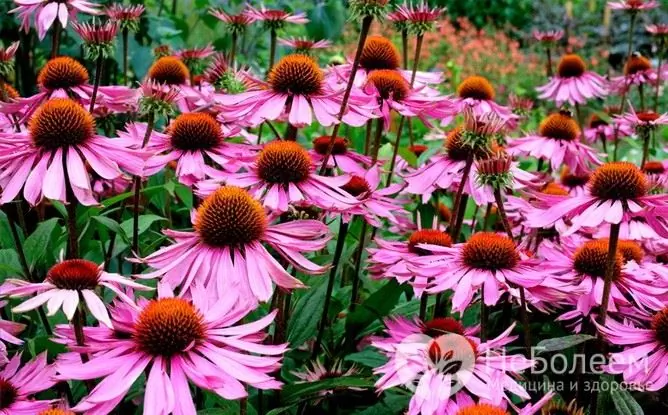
<point>609,271</point>
<point>459,207</point>
<point>55,38</point>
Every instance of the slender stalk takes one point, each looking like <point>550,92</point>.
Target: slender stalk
<point>604,143</point>
<point>354,295</point>
<point>243,406</point>
<point>658,75</point>
<point>498,197</point>
<point>641,93</point>
<point>137,196</point>
<point>474,220</point>
<point>96,85</point>
<point>125,56</point>
<point>488,213</point>
<point>78,322</point>
<point>340,243</point>
<point>609,271</point>
<point>623,99</point>
<point>290,133</point>
<point>548,66</point>
<point>71,207</point>
<point>366,24</point>
<point>424,299</point>
<point>174,7</point>
<point>458,205</point>
<point>404,47</point>
<point>272,51</point>
<point>233,49</point>
<point>55,39</point>
<point>367,137</point>
<point>645,146</point>
<point>376,140</point>
<point>484,317</point>
<point>416,60</point>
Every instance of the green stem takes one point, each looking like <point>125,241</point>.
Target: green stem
<point>137,196</point>
<point>658,75</point>
<point>366,25</point>
<point>340,243</point>
<point>609,271</point>
<point>125,56</point>
<point>55,39</point>
<point>354,295</point>
<point>96,85</point>
<point>272,51</point>
<point>459,207</point>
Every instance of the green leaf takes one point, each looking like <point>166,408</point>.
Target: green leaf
<point>409,156</point>
<point>625,403</point>
<point>37,247</point>
<point>377,306</point>
<point>112,225</point>
<point>307,313</point>
<point>145,222</point>
<point>9,263</point>
<point>294,392</point>
<point>562,343</point>
<point>368,357</point>
<point>6,239</point>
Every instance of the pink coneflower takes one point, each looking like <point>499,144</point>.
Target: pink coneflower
<point>105,189</point>
<point>557,141</point>
<point>304,45</point>
<point>64,77</point>
<point>275,19</point>
<point>66,284</point>
<point>127,16</point>
<point>633,6</point>
<point>296,89</point>
<point>380,53</point>
<point>575,183</point>
<point>463,404</point>
<point>7,59</point>
<point>195,53</point>
<point>478,93</point>
<point>488,262</point>
<point>573,83</point>
<point>659,30</point>
<point>615,191</point>
<point>191,140</point>
<point>18,385</point>
<point>318,372</point>
<point>644,350</point>
<point>176,341</point>
<point>598,129</point>
<point>583,269</point>
<point>439,356</point>
<point>657,175</point>
<point>283,174</point>
<point>58,145</point>
<point>225,250</point>
<point>398,259</point>
<point>45,13</point>
<point>157,98</point>
<point>375,203</point>
<point>548,36</point>
<point>636,121</point>
<point>520,105</point>
<point>393,92</point>
<point>98,39</point>
<point>637,71</point>
<point>236,23</point>
<point>9,329</point>
<point>342,157</point>
<point>420,18</point>
<point>229,80</point>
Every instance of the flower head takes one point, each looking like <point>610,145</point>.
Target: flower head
<point>420,19</point>
<point>495,171</point>
<point>275,19</point>
<point>66,284</point>
<point>235,23</point>
<point>127,16</point>
<point>658,30</point>
<point>360,9</point>
<point>304,45</point>
<point>45,12</point>
<point>194,58</point>
<point>169,70</point>
<point>641,121</point>
<point>157,98</point>
<point>549,36</point>
<point>179,341</point>
<point>573,83</point>
<point>7,59</point>
<point>379,53</point>
<point>98,38</point>
<point>18,385</point>
<point>633,6</point>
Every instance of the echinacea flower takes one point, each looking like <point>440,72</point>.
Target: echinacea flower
<point>18,385</point>
<point>55,152</point>
<point>7,59</point>
<point>360,9</point>
<point>227,79</point>
<point>296,90</point>
<point>558,142</point>
<point>657,175</point>
<point>304,45</point>
<point>614,193</point>
<point>191,140</point>
<point>9,329</point>
<point>194,57</point>
<point>633,6</point>
<point>393,92</point>
<point>488,262</point>
<point>397,259</point>
<point>342,157</point>
<point>225,252</point>
<point>477,93</point>
<point>64,77</point>
<point>575,183</point>
<point>439,357</point>
<point>281,174</point>
<point>157,98</point>
<point>380,53</point>
<point>98,38</point>
<point>420,18</point>
<point>235,23</point>
<point>637,71</point>
<point>375,202</point>
<point>318,371</point>
<point>548,36</point>
<point>169,70</point>
<point>275,19</point>
<point>641,120</point>
<point>126,16</point>
<point>45,12</point>
<point>66,285</point>
<point>178,342</point>
<point>573,83</point>
<point>583,269</point>
<point>659,30</point>
<point>463,404</point>
<point>644,348</point>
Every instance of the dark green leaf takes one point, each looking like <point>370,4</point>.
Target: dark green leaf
<point>368,357</point>
<point>293,392</point>
<point>624,402</point>
<point>145,222</point>
<point>377,306</point>
<point>562,343</point>
<point>6,239</point>
<point>9,263</point>
<point>307,313</point>
<point>37,247</point>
